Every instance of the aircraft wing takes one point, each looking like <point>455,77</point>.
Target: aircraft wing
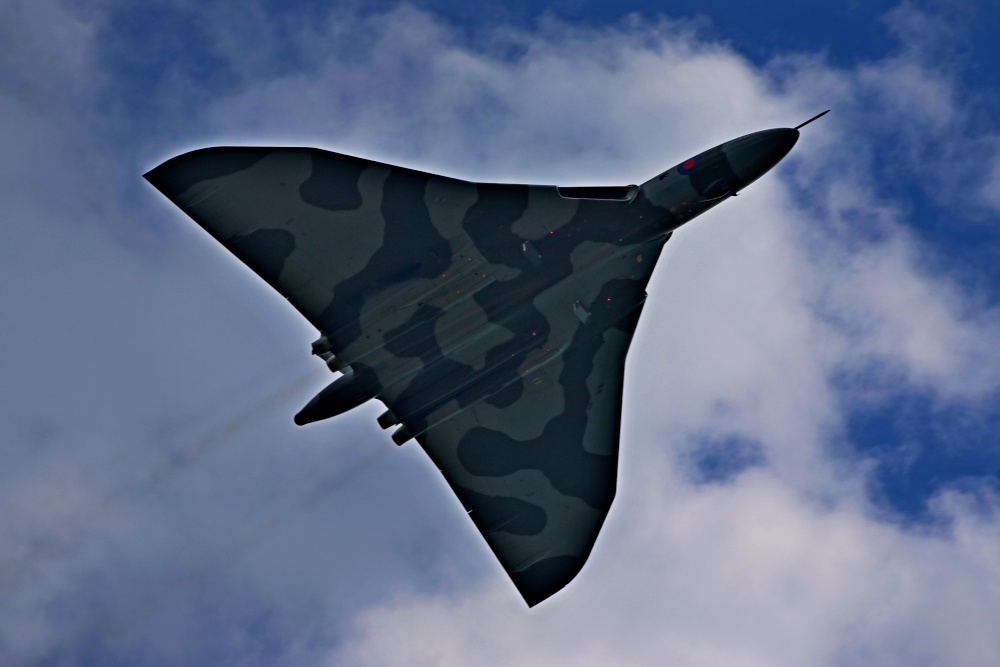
<point>492,320</point>
<point>536,469</point>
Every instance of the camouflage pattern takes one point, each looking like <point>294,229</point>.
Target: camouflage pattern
<point>492,320</point>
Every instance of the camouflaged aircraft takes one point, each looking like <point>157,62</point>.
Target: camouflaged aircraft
<point>492,320</point>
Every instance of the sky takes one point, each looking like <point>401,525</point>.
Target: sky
<point>810,465</point>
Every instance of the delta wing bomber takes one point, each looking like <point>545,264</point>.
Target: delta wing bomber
<point>492,320</point>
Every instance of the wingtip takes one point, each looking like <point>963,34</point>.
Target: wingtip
<point>546,577</point>
<point>177,175</point>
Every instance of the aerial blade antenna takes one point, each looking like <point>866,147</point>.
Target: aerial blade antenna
<point>819,115</point>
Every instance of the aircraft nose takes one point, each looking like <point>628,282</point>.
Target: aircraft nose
<point>755,154</point>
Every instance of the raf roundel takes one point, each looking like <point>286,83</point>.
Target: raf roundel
<point>687,166</point>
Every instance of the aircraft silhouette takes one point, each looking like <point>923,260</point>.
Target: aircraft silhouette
<point>492,320</point>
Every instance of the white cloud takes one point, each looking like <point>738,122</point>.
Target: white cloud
<point>748,573</point>
<point>754,309</point>
<point>596,104</point>
<point>920,323</point>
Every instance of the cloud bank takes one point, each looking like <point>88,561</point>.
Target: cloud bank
<point>159,507</point>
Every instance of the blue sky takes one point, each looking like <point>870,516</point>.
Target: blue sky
<point>810,463</point>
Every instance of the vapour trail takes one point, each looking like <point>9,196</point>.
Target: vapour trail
<point>83,526</point>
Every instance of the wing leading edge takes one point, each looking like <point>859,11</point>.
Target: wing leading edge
<point>492,320</point>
